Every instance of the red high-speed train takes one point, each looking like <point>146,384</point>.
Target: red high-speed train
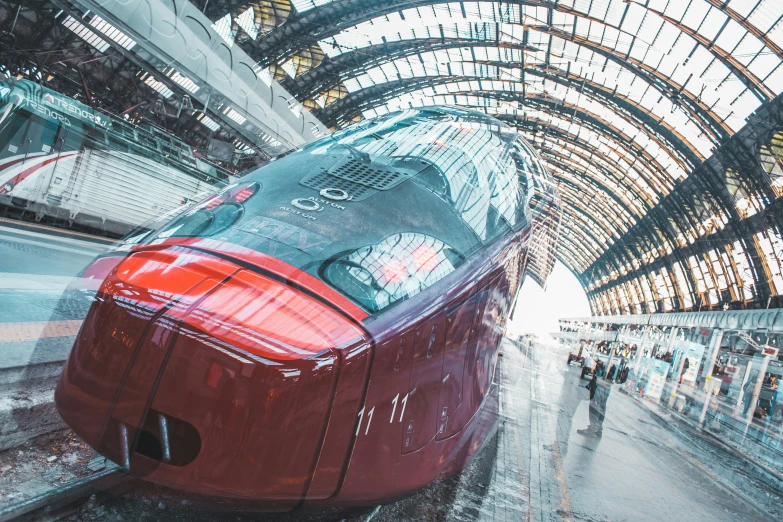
<point>326,331</point>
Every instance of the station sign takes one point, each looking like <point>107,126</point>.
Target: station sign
<point>769,351</point>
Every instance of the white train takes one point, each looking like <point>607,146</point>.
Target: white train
<point>63,162</point>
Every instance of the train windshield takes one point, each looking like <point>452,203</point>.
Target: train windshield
<point>481,167</point>
<point>457,179</point>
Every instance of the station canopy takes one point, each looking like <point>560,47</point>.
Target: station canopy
<point>623,99</point>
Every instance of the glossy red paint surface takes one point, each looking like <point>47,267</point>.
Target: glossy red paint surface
<point>246,364</point>
<point>292,275</point>
<point>273,390</point>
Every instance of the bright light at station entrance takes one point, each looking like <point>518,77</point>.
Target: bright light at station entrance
<point>539,309</point>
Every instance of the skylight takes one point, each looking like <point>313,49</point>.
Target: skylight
<point>181,80</point>
<point>158,86</point>
<point>234,115</point>
<point>85,34</point>
<point>247,21</point>
<point>113,33</point>
<point>208,122</point>
<point>224,29</point>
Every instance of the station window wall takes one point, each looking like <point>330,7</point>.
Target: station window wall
<point>746,201</point>
<point>771,247</point>
<point>771,157</point>
<point>743,270</point>
<point>682,282</point>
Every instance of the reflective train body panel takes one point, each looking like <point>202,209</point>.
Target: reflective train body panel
<point>324,332</point>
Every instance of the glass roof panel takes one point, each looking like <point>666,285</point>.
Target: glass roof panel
<point>656,152</point>
<point>622,97</point>
<point>448,63</point>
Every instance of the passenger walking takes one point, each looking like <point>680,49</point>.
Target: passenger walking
<point>599,395</point>
<point>747,393</point>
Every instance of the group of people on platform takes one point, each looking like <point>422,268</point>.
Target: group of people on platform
<point>615,373</point>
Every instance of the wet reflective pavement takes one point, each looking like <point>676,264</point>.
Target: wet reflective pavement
<point>539,466</point>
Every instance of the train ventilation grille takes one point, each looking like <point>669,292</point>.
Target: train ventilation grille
<point>373,175</point>
<point>323,180</point>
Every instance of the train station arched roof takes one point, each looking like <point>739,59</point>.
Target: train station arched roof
<point>659,118</point>
<point>625,101</point>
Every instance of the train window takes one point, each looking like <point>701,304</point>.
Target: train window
<point>211,216</point>
<point>397,268</point>
<point>204,222</point>
<point>147,142</point>
<point>49,132</point>
<point>223,217</point>
<point>116,144</point>
<point>189,226</point>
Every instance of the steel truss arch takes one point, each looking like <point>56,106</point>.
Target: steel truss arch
<point>349,65</point>
<point>374,96</point>
<point>357,14</point>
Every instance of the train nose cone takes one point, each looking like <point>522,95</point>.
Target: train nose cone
<point>205,376</point>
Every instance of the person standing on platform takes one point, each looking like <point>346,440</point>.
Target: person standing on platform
<point>747,393</point>
<point>685,366</point>
<point>587,366</point>
<point>599,396</point>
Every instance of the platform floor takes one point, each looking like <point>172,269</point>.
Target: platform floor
<point>537,467</point>
<point>540,468</point>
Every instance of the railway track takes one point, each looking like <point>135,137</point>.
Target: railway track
<point>65,500</point>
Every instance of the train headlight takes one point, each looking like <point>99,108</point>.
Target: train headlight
<point>399,267</point>
<point>8,187</point>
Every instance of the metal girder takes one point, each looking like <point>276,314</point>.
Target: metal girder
<point>574,140</point>
<point>263,112</point>
<point>708,182</point>
<point>750,80</point>
<point>327,20</point>
<point>331,72</point>
<point>352,105</point>
<point>64,59</point>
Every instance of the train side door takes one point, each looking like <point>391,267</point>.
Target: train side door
<point>420,422</point>
<point>490,332</point>
<point>459,323</point>
<point>478,340</point>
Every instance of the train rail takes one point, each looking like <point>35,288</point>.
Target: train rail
<point>66,499</point>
